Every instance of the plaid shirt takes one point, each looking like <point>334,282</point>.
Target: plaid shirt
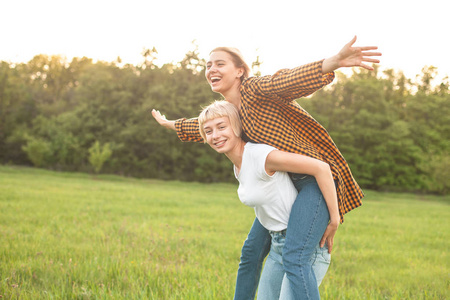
<point>270,116</point>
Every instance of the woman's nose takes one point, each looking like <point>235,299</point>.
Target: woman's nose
<point>215,134</point>
<point>212,69</point>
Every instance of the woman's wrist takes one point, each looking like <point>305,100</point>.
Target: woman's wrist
<point>170,125</point>
<point>330,64</point>
<point>335,221</point>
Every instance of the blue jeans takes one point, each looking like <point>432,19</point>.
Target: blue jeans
<point>257,245</point>
<point>255,249</point>
<point>273,275</point>
<point>307,223</point>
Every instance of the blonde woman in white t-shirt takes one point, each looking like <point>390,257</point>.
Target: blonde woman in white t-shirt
<point>265,184</point>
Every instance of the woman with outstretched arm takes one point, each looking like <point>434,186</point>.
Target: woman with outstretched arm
<point>269,115</point>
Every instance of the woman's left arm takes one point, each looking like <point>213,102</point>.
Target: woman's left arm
<point>302,81</point>
<point>289,84</point>
<point>296,163</point>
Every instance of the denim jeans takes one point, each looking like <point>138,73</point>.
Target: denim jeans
<point>273,274</point>
<point>307,223</point>
<point>255,249</point>
<point>257,245</point>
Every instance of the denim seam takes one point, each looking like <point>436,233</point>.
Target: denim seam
<point>299,184</point>
<point>307,240</point>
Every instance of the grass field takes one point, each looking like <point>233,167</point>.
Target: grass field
<point>75,236</point>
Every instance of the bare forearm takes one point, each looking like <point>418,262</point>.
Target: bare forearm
<point>330,64</point>
<point>170,125</point>
<point>325,181</point>
<point>296,163</point>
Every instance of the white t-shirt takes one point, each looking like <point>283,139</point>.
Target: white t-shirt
<point>271,196</point>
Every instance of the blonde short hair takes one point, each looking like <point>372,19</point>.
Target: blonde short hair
<point>219,109</point>
<point>237,57</point>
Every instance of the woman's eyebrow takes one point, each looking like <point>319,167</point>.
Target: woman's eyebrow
<point>216,61</point>
<point>217,124</point>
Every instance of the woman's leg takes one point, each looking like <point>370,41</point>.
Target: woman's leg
<point>320,261</point>
<point>307,223</point>
<point>255,249</point>
<point>273,275</point>
<point>273,272</point>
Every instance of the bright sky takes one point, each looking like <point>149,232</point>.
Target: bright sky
<point>285,33</point>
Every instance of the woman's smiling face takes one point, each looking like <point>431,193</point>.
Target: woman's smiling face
<point>221,72</point>
<point>220,135</point>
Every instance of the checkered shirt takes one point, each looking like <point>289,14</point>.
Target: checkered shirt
<point>270,116</point>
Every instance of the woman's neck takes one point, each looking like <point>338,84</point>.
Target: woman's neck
<point>233,95</point>
<point>235,154</point>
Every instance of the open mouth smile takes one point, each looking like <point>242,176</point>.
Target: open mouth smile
<point>219,144</point>
<point>215,79</point>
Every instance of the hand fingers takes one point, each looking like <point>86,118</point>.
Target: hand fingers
<point>366,67</point>
<point>371,53</point>
<point>367,48</point>
<point>352,41</point>
<point>322,241</point>
<point>372,60</point>
<point>157,113</point>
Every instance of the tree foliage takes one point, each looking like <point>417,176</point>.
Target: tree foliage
<point>393,131</point>
<point>98,155</point>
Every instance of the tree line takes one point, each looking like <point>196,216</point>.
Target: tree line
<point>88,116</point>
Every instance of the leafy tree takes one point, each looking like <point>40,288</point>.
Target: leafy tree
<point>38,150</point>
<point>55,113</point>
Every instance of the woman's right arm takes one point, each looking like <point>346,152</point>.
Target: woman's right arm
<point>186,129</point>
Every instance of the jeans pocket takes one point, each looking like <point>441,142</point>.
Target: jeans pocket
<point>326,256</point>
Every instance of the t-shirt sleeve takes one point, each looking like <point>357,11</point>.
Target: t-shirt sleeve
<point>260,153</point>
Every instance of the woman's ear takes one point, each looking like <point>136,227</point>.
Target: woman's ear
<point>240,72</point>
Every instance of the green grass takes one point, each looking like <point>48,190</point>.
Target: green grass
<point>75,236</point>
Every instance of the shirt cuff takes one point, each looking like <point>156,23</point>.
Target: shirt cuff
<point>327,78</point>
<point>179,129</point>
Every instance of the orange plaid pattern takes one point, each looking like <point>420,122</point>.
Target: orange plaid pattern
<point>270,116</point>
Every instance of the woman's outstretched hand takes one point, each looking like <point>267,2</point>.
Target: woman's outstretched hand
<point>350,56</point>
<point>328,236</point>
<point>161,119</point>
